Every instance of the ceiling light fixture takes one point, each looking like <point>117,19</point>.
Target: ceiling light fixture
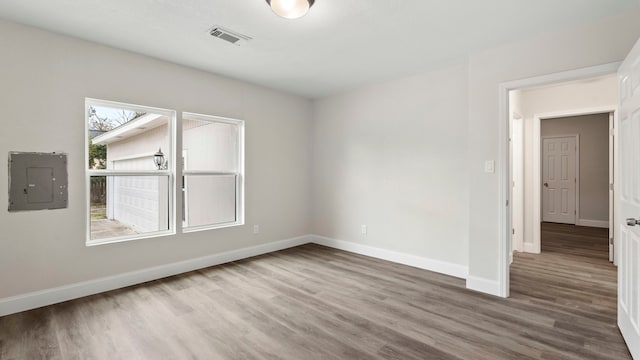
<point>290,9</point>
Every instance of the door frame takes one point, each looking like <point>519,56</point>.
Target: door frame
<point>504,168</point>
<point>517,192</point>
<point>184,191</point>
<point>613,167</point>
<point>537,163</point>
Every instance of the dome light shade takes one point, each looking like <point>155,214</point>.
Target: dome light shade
<point>290,9</point>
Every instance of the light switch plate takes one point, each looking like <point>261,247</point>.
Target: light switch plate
<point>37,181</point>
<point>489,166</point>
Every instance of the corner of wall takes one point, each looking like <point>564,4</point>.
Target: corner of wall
<point>483,285</point>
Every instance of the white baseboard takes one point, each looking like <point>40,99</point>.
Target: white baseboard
<point>46,297</point>
<point>438,266</point>
<point>530,248</point>
<point>593,223</point>
<point>487,286</point>
<point>36,299</point>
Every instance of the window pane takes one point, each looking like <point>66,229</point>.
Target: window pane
<point>128,205</point>
<point>123,139</point>
<point>209,200</point>
<point>210,146</point>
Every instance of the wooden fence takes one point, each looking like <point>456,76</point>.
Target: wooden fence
<point>98,191</point>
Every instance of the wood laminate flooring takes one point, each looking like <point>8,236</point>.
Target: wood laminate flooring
<point>313,302</point>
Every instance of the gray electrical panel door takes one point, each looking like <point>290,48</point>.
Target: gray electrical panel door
<point>37,181</point>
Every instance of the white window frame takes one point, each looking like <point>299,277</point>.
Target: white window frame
<point>169,173</point>
<point>239,174</point>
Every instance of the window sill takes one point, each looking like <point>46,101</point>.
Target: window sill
<point>90,243</point>
<point>211,227</point>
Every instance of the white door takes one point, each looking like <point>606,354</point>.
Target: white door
<point>628,196</point>
<point>559,179</point>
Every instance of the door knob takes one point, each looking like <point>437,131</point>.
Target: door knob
<point>546,184</point>
<point>633,222</point>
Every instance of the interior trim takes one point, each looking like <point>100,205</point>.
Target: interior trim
<point>447,268</point>
<point>55,295</point>
<point>36,299</point>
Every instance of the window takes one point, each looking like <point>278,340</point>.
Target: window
<point>131,167</point>
<point>213,166</point>
<point>130,182</point>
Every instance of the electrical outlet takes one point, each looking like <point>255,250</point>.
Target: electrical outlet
<point>256,229</point>
<point>489,166</point>
<point>364,229</point>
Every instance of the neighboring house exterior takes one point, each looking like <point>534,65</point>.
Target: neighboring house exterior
<point>137,201</point>
<point>95,133</point>
<point>209,146</point>
<point>141,202</point>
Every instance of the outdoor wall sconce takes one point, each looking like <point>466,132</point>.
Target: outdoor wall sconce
<point>159,160</point>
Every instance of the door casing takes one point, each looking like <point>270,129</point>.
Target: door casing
<point>517,175</point>
<point>534,247</point>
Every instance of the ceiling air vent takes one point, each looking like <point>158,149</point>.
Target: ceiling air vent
<point>228,35</point>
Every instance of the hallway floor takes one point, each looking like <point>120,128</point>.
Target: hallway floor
<point>575,282</point>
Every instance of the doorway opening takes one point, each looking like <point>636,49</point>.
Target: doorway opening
<point>574,160</point>
<point>517,125</point>
<point>562,158</point>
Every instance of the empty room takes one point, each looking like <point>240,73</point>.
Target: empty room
<point>320,179</point>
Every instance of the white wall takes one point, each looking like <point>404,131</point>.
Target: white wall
<point>45,79</point>
<point>549,99</point>
<point>379,155</point>
<point>392,156</point>
<point>405,157</point>
<point>596,43</point>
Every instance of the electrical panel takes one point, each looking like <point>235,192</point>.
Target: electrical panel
<point>37,181</point>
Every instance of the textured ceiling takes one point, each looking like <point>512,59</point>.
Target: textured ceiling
<point>339,45</point>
